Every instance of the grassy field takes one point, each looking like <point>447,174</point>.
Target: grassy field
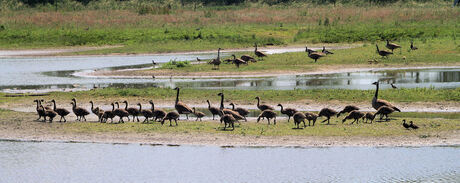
<point>204,28</point>
<point>429,127</point>
<point>160,95</point>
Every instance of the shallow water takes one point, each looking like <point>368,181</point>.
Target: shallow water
<point>86,162</point>
<point>57,73</point>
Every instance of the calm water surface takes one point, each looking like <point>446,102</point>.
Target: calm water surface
<point>86,162</point>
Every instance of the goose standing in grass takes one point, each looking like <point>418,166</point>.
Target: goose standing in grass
<point>288,111</point>
<point>132,111</point>
<point>121,113</point>
<point>299,117</point>
<point>377,103</point>
<point>173,115</point>
<point>181,107</point>
<point>238,61</point>
<point>315,55</point>
<point>108,115</point>
<point>248,58</point>
<point>235,114</point>
<point>198,114</point>
<point>97,111</point>
<point>50,114</point>
<point>258,53</point>
<point>242,111</point>
<point>348,109</point>
<point>214,110</point>
<point>412,125</point>
<point>412,47</point>
<point>384,111</point>
<point>78,111</point>
<point>228,120</point>
<point>216,62</point>
<point>40,110</point>
<point>269,114</point>
<point>327,52</point>
<point>369,116</point>
<point>157,113</point>
<point>309,50</point>
<point>145,112</point>
<point>383,53</point>
<point>392,46</point>
<point>328,113</point>
<point>60,111</point>
<point>263,107</point>
<point>311,117</point>
<point>356,115</point>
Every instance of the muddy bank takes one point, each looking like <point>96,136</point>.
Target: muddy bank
<point>47,52</point>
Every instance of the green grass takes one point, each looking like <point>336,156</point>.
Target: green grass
<point>247,97</point>
<point>428,127</point>
<point>185,29</point>
<point>430,52</point>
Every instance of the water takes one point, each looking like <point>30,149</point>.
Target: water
<point>58,73</point>
<point>85,162</point>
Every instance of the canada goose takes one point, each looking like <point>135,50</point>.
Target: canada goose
<point>248,58</point>
<point>327,112</point>
<point>299,117</point>
<point>327,52</point>
<point>311,117</point>
<point>173,115</point>
<point>121,113</point>
<point>348,109</point>
<point>383,53</point>
<point>40,110</point>
<point>78,111</point>
<point>356,115</point>
<point>377,103</point>
<point>45,107</point>
<point>98,112</point>
<point>263,107</point>
<point>216,62</point>
<point>315,55</point>
<point>412,125</point>
<point>157,113</point>
<point>412,47</point>
<point>258,53</point>
<point>145,112</point>
<point>50,114</point>
<point>198,114</point>
<point>309,50</point>
<point>288,111</point>
<point>369,116</point>
<point>214,110</point>
<point>60,111</point>
<point>242,111</point>
<point>228,119</point>
<point>181,107</point>
<point>153,62</point>
<point>269,114</point>
<point>393,86</point>
<point>392,46</point>
<point>198,60</point>
<point>238,61</point>
<point>384,111</point>
<point>405,125</point>
<point>108,114</point>
<point>235,114</point>
<point>132,111</point>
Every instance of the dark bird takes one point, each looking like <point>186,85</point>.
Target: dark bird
<point>214,110</point>
<point>269,114</point>
<point>97,111</point>
<point>153,62</point>
<point>258,53</point>
<point>377,103</point>
<point>392,46</point>
<point>108,115</point>
<point>298,118</point>
<point>40,110</point>
<point>235,114</point>
<point>288,111</point>
<point>198,114</point>
<point>159,114</point>
<point>328,113</point>
<point>412,125</point>
<point>405,125</point>
<point>145,112</point>
<point>356,115</point>
<point>384,111</point>
<point>121,113</point>
<point>238,61</point>
<point>132,111</point>
<point>60,111</point>
<point>383,53</point>
<point>248,58</point>
<point>78,111</point>
<point>327,52</point>
<point>369,116</point>
<point>315,55</point>
<point>311,117</point>
<point>393,86</point>
<point>242,111</point>
<point>228,120</point>
<point>199,60</point>
<point>173,115</point>
<point>216,62</point>
<point>347,109</point>
<point>181,107</point>
<point>263,107</point>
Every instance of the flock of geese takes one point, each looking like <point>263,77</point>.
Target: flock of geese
<point>313,54</point>
<point>227,116</point>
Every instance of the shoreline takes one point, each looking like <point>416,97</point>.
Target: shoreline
<point>230,141</point>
